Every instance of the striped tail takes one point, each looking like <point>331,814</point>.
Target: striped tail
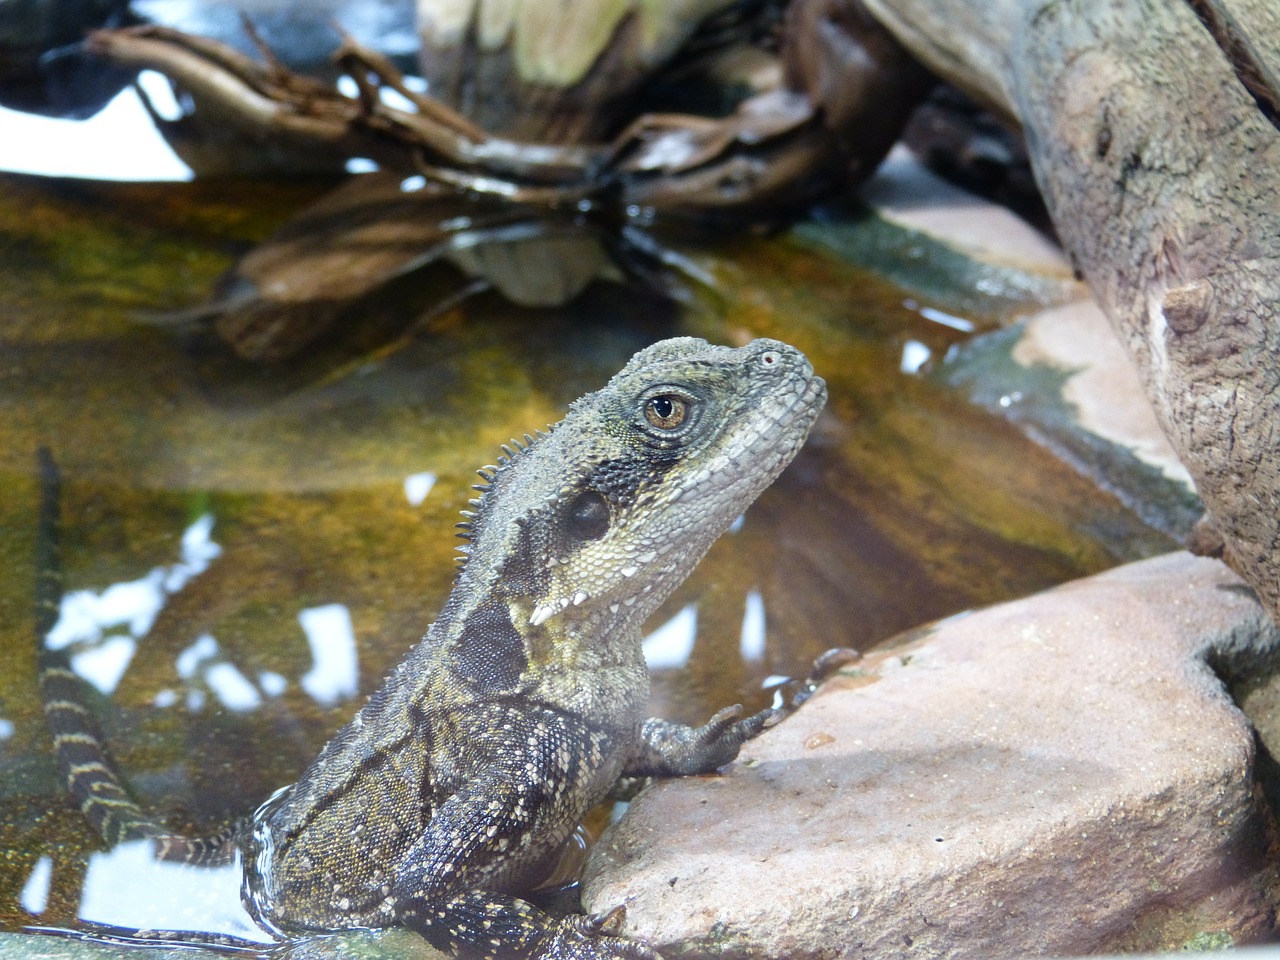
<point>87,767</point>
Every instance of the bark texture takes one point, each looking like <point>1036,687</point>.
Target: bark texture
<point>1151,126</point>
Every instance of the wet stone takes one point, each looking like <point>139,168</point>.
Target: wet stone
<point>1058,775</point>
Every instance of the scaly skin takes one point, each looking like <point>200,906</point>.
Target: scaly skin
<point>457,785</point>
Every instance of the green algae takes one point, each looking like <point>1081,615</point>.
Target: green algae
<point>1032,397</point>
<point>908,504</point>
<point>1210,940</point>
<point>925,267</point>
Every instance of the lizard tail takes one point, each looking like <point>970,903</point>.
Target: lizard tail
<point>89,772</point>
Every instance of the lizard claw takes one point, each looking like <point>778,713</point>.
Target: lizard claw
<point>824,668</point>
<point>610,923</point>
<point>596,937</point>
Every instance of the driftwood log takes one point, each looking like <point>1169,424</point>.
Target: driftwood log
<point>1152,129</point>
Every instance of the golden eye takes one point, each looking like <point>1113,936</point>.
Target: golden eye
<point>666,412</point>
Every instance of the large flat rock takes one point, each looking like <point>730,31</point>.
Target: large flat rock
<point>1059,775</point>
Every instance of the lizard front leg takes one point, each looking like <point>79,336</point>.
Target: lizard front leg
<point>668,749</point>
<point>490,926</point>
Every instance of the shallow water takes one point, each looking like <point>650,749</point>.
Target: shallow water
<point>255,548</point>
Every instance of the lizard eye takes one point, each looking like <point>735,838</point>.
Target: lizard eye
<point>588,516</point>
<point>666,412</point>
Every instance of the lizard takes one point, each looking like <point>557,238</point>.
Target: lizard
<point>453,789</point>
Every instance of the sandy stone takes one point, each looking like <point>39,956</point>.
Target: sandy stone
<point>904,192</point>
<point>1055,776</point>
<point>1103,388</point>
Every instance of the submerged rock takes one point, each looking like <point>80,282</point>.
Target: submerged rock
<point>1059,775</point>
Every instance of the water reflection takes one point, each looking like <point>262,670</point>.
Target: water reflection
<point>914,356</point>
<point>35,892</point>
<point>232,688</point>
<point>118,143</point>
<point>669,646</point>
<point>86,615</point>
<point>335,670</point>
<point>417,486</point>
<point>751,645</point>
<point>105,663</point>
<point>947,319</point>
<point>127,887</point>
<point>204,648</point>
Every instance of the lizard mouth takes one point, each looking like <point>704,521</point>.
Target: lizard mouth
<point>807,404</point>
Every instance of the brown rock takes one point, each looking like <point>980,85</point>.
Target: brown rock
<point>1059,775</point>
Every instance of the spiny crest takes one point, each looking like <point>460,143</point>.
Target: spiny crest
<point>488,473</point>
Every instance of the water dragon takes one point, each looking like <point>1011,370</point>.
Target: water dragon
<point>448,794</point>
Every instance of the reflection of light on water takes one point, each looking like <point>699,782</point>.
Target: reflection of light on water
<point>670,645</point>
<point>118,143</point>
<point>272,683</point>
<point>333,652</point>
<point>417,486</point>
<point>104,664</point>
<point>914,356</point>
<point>947,319</point>
<point>6,729</point>
<point>35,892</point>
<point>189,660</point>
<point>197,552</point>
<point>165,698</point>
<point>752,644</point>
<point>128,887</point>
<point>231,687</point>
<point>101,658</point>
<point>85,615</point>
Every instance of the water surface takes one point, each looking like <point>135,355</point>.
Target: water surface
<point>251,549</point>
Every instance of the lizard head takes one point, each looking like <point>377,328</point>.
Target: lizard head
<point>601,518</point>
